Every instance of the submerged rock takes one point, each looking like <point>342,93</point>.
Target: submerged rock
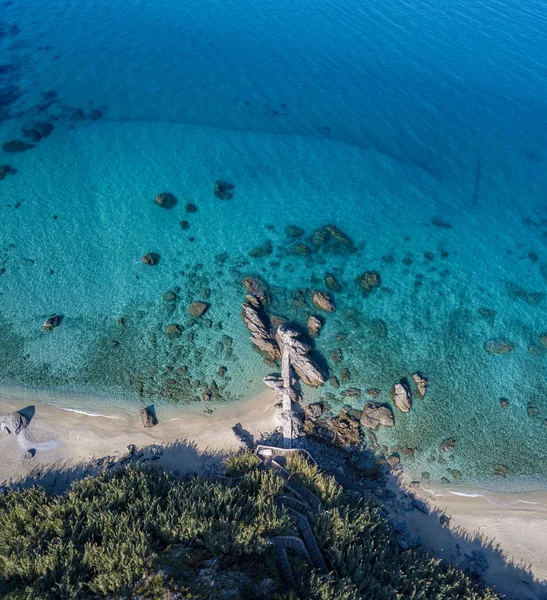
<point>314,326</point>
<point>191,208</point>
<point>222,190</point>
<point>37,131</point>
<point>173,330</point>
<point>323,301</point>
<point>151,259</point>
<point>502,470</point>
<point>265,250</point>
<point>332,283</point>
<point>166,200</point>
<point>402,396</point>
<point>6,170</point>
<point>16,146</point>
<point>504,402</point>
<point>298,249</point>
<point>421,383</point>
<point>498,346</point>
<point>369,281</point>
<point>292,231</point>
<point>198,309</point>
<point>13,423</point>
<point>376,414</point>
<point>447,445</point>
<point>52,322</point>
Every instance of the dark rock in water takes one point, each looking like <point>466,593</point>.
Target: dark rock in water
<point>323,301</point>
<point>222,190</point>
<point>533,411</point>
<point>543,340</point>
<point>95,114</point>
<point>198,309</point>
<point>351,393</point>
<point>151,259</point>
<point>373,392</point>
<point>8,95</point>
<point>16,146</point>
<point>499,346</point>
<point>6,170</point>
<point>402,396</point>
<point>314,326</point>
<point>184,225</point>
<point>376,414</point>
<point>259,326</point>
<point>13,423</point>
<point>265,250</point>
<point>426,475</point>
<point>379,329</point>
<point>445,480</point>
<point>532,298</point>
<point>332,283</point>
<point>369,281</point>
<point>37,131</point>
<point>487,313</point>
<point>455,474</point>
<point>504,402</point>
<point>52,322</point>
<point>502,470</point>
<point>421,383</point>
<point>257,287</point>
<point>447,446</point>
<point>298,249</point>
<point>191,208</point>
<point>77,115</point>
<point>148,416</point>
<point>345,375</point>
<point>337,356</point>
<point>440,223</point>
<point>170,296</point>
<point>166,200</point>
<point>173,330</point>
<point>535,350</point>
<point>332,239</point>
<point>299,353</point>
<point>292,231</point>
<point>333,380</point>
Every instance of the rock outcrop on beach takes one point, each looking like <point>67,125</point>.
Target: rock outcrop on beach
<point>259,326</point>
<point>13,423</point>
<point>300,355</point>
<point>375,414</point>
<point>421,383</point>
<point>402,396</point>
<point>148,417</point>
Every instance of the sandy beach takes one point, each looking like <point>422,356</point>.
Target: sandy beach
<point>68,444</point>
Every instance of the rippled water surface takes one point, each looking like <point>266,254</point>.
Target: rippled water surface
<point>418,129</point>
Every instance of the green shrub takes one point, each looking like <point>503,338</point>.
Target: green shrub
<point>241,463</point>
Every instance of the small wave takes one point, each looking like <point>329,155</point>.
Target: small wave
<point>90,414</point>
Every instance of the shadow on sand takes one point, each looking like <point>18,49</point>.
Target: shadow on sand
<point>408,514</point>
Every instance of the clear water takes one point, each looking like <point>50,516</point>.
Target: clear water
<point>382,118</point>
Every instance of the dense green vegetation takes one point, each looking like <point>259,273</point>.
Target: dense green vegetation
<point>139,531</point>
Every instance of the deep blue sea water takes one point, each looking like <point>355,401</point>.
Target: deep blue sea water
<point>419,128</point>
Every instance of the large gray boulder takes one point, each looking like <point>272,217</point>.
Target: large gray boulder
<point>13,423</point>
<point>259,326</point>
<point>300,356</point>
<point>402,396</point>
<point>376,414</point>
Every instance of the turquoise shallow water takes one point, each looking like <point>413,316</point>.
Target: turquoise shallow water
<point>419,131</point>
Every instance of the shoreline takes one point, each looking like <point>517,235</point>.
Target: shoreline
<point>70,441</point>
